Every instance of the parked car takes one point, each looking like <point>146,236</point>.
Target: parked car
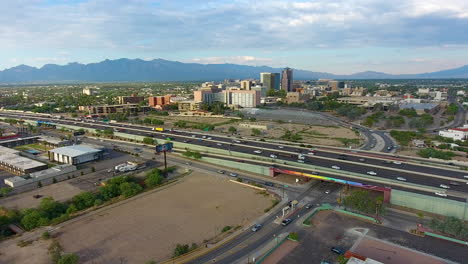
<point>308,206</point>
<point>221,171</point>
<point>256,227</point>
<point>338,250</point>
<point>401,178</point>
<point>286,221</point>
<point>327,191</point>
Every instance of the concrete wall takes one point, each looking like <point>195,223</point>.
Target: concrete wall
<point>239,166</point>
<point>431,204</point>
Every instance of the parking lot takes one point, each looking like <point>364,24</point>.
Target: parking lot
<point>330,229</point>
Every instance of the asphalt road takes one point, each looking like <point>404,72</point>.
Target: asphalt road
<point>229,143</point>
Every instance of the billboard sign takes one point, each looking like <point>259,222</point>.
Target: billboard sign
<point>164,147</point>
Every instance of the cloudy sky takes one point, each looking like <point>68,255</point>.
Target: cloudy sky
<point>338,36</point>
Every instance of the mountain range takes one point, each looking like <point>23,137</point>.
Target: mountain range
<point>137,70</point>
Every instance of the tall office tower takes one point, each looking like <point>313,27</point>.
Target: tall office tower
<point>270,80</point>
<point>287,80</point>
<point>333,85</point>
<point>276,77</point>
<point>246,85</point>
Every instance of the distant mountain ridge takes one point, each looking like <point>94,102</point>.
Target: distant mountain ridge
<point>122,70</point>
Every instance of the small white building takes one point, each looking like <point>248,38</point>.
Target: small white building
<point>460,133</point>
<point>75,154</point>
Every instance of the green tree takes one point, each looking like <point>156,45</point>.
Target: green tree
<point>128,189</point>
<point>32,218</point>
<point>452,109</point>
<point>256,132</point>
<point>153,178</point>
<point>232,130</point>
<point>83,200</point>
<point>71,258</point>
<point>148,140</point>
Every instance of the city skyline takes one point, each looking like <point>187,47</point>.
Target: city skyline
<point>327,36</point>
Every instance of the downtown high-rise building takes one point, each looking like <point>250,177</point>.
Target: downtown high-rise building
<point>287,80</point>
<point>270,80</point>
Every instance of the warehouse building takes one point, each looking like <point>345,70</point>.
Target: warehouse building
<point>12,162</point>
<point>75,154</point>
<point>56,172</point>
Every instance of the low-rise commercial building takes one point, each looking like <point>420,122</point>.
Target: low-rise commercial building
<point>132,109</point>
<point>368,101</point>
<point>75,154</point>
<point>130,99</point>
<point>188,106</point>
<point>54,172</point>
<point>155,101</point>
<point>14,163</point>
<point>460,133</point>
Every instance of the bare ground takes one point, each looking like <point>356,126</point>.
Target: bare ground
<point>149,227</point>
<point>36,252</point>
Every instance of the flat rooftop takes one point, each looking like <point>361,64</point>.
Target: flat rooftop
<point>75,150</point>
<point>418,106</point>
<point>20,162</point>
<point>5,150</point>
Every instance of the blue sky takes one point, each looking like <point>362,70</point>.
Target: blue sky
<point>338,36</point>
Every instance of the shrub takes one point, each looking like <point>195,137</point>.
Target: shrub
<point>293,236</point>
<point>226,228</point>
<point>45,235</point>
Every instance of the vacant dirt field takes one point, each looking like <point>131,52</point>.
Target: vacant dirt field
<point>61,191</point>
<point>10,253</point>
<point>150,226</point>
<point>323,135</point>
<point>170,120</point>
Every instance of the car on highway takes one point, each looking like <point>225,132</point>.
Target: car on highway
<point>209,138</point>
<point>194,136</point>
<point>280,147</point>
<point>258,151</point>
<point>269,184</point>
<point>286,221</point>
<point>336,167</point>
<point>308,206</point>
<point>301,161</point>
<point>338,250</point>
<point>454,183</point>
<point>221,172</point>
<point>362,159</point>
<point>311,153</point>
<point>466,176</point>
<point>386,162</point>
<point>236,141</point>
<point>203,136</point>
<point>444,186</point>
<point>327,191</point>
<point>256,227</point>
<point>232,174</point>
<point>401,178</point>
<point>441,194</point>
<point>273,156</point>
<point>219,144</point>
<point>372,173</point>
<point>397,162</point>
<point>342,157</point>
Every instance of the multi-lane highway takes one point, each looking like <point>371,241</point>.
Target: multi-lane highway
<point>387,167</point>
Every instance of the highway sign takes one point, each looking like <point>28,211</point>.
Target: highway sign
<point>164,147</point>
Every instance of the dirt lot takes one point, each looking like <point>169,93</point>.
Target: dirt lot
<point>323,135</point>
<point>330,229</point>
<point>61,191</point>
<point>36,253</point>
<point>170,120</point>
<point>413,153</point>
<point>150,226</point>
